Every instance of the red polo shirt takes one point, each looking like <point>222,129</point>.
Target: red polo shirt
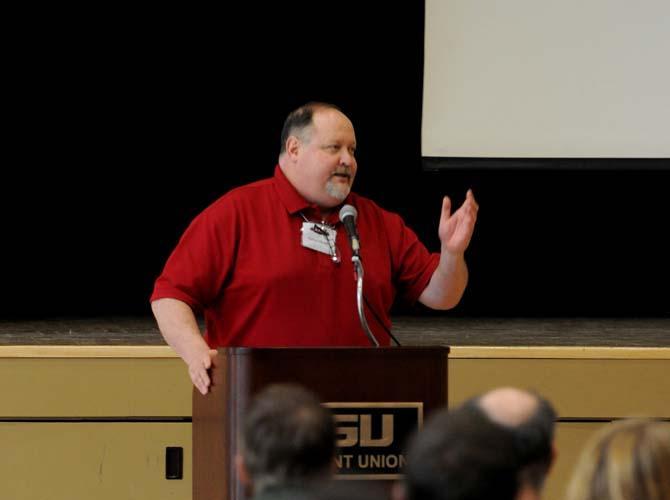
<point>241,261</point>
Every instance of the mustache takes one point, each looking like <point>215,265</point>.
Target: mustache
<point>341,171</point>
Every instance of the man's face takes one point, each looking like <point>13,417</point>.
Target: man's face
<point>326,165</point>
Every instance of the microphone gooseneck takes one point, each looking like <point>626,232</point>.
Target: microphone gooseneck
<point>348,214</point>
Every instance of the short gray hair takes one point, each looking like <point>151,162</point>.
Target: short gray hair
<point>288,437</point>
<point>299,120</point>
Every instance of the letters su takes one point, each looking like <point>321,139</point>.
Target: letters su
<point>357,429</point>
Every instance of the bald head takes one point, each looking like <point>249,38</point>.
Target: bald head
<point>531,419</point>
<point>509,406</point>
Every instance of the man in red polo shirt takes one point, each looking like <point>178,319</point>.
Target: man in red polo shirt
<point>269,263</point>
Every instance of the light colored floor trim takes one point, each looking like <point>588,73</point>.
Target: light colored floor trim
<point>66,351</point>
<point>493,352</point>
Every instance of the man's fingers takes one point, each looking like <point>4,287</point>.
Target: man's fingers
<point>205,378</point>
<point>446,207</point>
<point>471,211</point>
<point>202,382</point>
<point>199,376</point>
<point>470,197</point>
<point>212,356</point>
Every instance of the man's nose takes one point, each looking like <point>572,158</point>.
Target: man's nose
<point>346,158</point>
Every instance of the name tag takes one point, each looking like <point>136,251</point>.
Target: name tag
<point>318,237</point>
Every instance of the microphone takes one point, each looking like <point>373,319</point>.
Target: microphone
<point>348,214</point>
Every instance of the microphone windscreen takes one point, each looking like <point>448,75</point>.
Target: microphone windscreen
<point>348,210</point>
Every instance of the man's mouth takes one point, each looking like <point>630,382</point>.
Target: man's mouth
<point>343,175</point>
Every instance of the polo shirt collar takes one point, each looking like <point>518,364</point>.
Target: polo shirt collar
<point>295,203</point>
<point>288,195</point>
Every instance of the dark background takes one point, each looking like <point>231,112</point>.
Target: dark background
<point>126,123</point>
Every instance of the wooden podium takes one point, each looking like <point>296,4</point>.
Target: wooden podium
<point>412,375</point>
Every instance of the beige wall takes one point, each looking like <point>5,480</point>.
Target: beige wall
<point>94,422</point>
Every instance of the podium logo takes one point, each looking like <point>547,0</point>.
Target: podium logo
<point>357,430</point>
<point>371,437</point>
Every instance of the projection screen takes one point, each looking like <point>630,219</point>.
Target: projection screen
<point>546,79</point>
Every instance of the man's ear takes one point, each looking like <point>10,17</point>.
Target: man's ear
<point>242,471</point>
<point>398,491</point>
<point>554,454</point>
<point>527,492</point>
<point>292,147</point>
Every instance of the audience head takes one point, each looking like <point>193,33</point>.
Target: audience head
<point>288,439</point>
<point>461,455</point>
<point>347,490</point>
<point>531,419</point>
<point>626,460</point>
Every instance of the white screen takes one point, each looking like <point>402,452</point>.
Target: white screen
<point>547,78</point>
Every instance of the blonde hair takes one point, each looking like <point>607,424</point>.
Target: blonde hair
<point>627,460</point>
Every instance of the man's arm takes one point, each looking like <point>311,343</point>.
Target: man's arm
<point>179,327</point>
<point>447,284</point>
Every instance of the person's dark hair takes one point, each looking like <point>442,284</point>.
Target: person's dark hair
<point>347,490</point>
<point>533,441</point>
<point>288,437</point>
<point>300,119</point>
<point>461,455</point>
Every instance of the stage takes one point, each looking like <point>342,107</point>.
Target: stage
<point>90,406</point>
<point>434,330</point>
